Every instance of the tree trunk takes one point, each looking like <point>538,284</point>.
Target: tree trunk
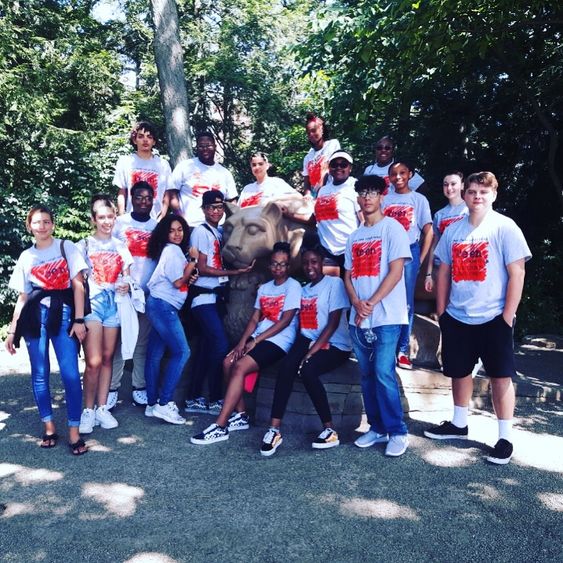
<point>170,65</point>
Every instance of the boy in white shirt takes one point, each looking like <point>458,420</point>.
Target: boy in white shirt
<point>479,287</point>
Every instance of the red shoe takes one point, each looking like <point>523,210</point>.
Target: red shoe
<point>404,362</point>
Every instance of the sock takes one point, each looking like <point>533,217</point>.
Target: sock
<point>505,430</point>
<point>460,416</point>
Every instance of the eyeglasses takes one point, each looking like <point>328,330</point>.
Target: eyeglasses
<point>143,197</point>
<point>216,207</point>
<point>275,265</point>
<point>339,164</point>
<point>368,193</point>
<point>383,147</point>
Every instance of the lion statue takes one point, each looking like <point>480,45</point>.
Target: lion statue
<point>249,234</point>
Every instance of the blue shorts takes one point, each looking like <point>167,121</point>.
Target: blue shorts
<point>104,310</point>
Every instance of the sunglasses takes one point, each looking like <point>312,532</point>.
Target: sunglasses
<point>339,164</point>
<point>383,147</point>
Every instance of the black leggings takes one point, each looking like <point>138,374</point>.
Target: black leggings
<point>321,362</point>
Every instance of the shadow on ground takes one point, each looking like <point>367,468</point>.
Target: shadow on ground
<point>143,493</point>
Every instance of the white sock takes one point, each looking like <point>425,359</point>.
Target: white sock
<point>460,416</point>
<point>505,430</point>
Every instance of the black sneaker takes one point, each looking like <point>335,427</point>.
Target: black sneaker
<point>271,442</point>
<point>446,431</point>
<point>502,452</point>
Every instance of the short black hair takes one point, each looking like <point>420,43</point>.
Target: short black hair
<point>371,184</point>
<point>141,185</point>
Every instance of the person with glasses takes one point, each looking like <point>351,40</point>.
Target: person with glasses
<point>375,257</point>
<point>207,297</point>
<point>266,188</point>
<point>143,165</point>
<point>267,338</point>
<point>134,229</point>
<point>193,177</point>
<point>384,157</point>
<point>315,163</point>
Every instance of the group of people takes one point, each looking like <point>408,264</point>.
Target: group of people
<point>153,266</point>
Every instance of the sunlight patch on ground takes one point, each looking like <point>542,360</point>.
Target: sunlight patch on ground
<point>17,509</point>
<point>118,498</point>
<point>28,476</point>
<point>449,457</point>
<point>370,508</point>
<point>150,558</point>
<point>483,492</point>
<point>95,446</point>
<point>542,451</point>
<point>129,440</point>
<point>552,501</point>
<point>26,438</point>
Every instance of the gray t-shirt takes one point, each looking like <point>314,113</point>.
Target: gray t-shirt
<point>368,254</point>
<point>478,257</point>
<point>170,268</point>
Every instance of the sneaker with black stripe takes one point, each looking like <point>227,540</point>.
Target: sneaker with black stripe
<point>502,452</point>
<point>271,442</point>
<point>328,438</point>
<point>447,431</point>
<point>213,433</point>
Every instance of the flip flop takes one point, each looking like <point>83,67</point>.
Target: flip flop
<point>49,441</point>
<point>76,448</point>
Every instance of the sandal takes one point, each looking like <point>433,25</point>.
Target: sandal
<point>49,441</point>
<point>78,448</point>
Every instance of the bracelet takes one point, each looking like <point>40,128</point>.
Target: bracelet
<point>78,321</point>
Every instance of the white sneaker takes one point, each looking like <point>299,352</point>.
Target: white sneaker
<point>149,411</point>
<point>105,419</point>
<point>370,438</point>
<point>112,400</point>
<point>139,397</point>
<point>238,421</point>
<point>168,412</point>
<point>87,421</point>
<point>398,444</point>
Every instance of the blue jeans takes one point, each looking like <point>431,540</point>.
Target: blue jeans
<point>167,334</point>
<point>380,390</point>
<point>66,350</point>
<point>211,350</point>
<point>411,273</point>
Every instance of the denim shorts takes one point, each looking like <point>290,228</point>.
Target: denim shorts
<point>104,309</point>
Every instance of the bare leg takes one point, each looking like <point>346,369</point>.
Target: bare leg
<point>93,349</point>
<point>504,397</point>
<point>462,390</point>
<point>109,340</point>
<point>235,389</point>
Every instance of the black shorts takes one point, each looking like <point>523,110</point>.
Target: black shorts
<point>266,353</point>
<point>333,260</point>
<point>463,344</point>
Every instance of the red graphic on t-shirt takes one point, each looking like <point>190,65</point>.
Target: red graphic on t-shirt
<point>402,213</point>
<point>308,313</point>
<point>198,191</point>
<point>366,258</point>
<point>216,261</point>
<point>138,242</point>
<point>106,266</point>
<point>253,199</point>
<point>469,261</point>
<point>184,288</point>
<point>326,207</point>
<point>445,223</point>
<point>146,176</point>
<point>316,170</point>
<point>51,275</point>
<point>387,184</point>
<point>271,306</point>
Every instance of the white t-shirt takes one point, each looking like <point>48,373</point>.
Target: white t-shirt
<point>444,217</point>
<point>46,268</point>
<point>136,235</point>
<point>273,300</point>
<point>260,194</point>
<point>106,260</point>
<point>192,179</point>
<point>131,168</point>
<point>208,243</point>
<point>315,164</point>
<point>170,268</point>
<point>383,172</point>
<point>478,257</point>
<point>317,302</point>
<point>368,253</point>
<point>411,210</point>
<point>336,212</point>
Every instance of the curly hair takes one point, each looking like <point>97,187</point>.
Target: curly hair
<point>159,237</point>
